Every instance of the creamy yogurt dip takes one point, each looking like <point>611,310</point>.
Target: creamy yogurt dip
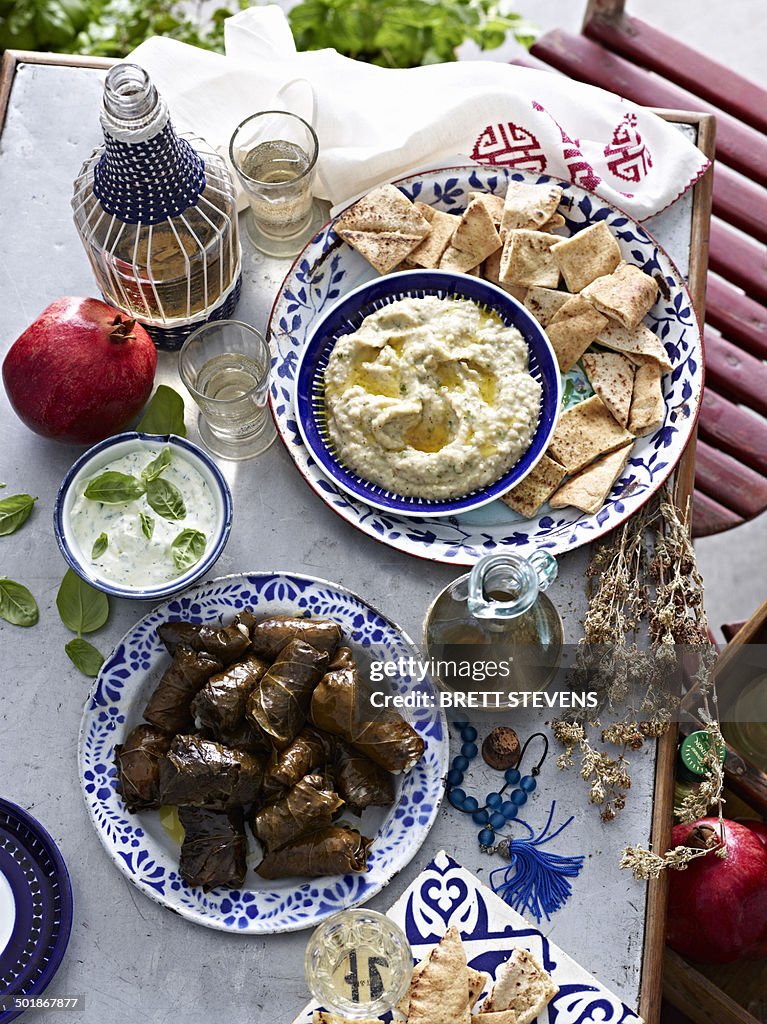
<point>130,557</point>
<point>431,397</point>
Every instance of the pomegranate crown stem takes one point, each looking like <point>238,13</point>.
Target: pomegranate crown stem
<point>706,837</point>
<point>122,329</point>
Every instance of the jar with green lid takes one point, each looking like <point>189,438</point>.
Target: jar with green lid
<point>691,763</point>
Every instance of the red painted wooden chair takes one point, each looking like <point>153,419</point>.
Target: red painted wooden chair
<point>635,60</point>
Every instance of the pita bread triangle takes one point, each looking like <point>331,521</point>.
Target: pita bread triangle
<point>639,341</point>
<point>440,994</point>
<point>521,985</point>
<point>383,249</point>
<point>584,432</point>
<point>590,488</point>
<point>476,232</point>
<point>530,206</point>
<point>612,377</point>
<point>383,209</point>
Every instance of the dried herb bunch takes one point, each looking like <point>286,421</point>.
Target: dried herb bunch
<point>658,588</point>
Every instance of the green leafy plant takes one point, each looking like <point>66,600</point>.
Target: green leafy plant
<point>392,33</point>
<point>43,24</point>
<point>108,28</point>
<point>404,33</point>
<point>17,605</point>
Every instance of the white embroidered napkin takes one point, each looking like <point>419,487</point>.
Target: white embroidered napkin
<point>374,124</point>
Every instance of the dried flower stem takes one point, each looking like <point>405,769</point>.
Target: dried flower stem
<point>666,591</point>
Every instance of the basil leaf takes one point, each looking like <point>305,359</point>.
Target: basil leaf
<point>100,545</point>
<point>17,605</point>
<point>147,525</point>
<point>82,608</point>
<point>166,499</point>
<point>188,548</point>
<point>157,465</point>
<point>14,512</point>
<point>164,414</point>
<point>84,656</point>
<point>114,488</point>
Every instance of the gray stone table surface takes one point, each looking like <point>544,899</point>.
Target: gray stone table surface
<point>132,959</point>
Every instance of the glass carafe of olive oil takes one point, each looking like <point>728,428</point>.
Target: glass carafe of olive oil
<point>494,629</point>
<point>156,211</point>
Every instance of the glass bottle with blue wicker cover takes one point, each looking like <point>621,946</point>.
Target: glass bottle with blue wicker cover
<point>157,213</point>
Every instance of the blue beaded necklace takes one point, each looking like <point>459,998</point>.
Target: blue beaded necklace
<point>535,881</point>
<point>497,812</point>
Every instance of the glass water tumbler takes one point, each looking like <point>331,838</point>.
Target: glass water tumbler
<point>157,214</point>
<point>358,963</point>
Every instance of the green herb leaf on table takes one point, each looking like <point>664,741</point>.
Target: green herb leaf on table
<point>147,525</point>
<point>17,605</point>
<point>156,466</point>
<point>188,548</point>
<point>82,608</point>
<point>14,512</point>
<point>166,499</point>
<point>100,545</point>
<point>164,414</point>
<point>112,488</point>
<point>84,656</point>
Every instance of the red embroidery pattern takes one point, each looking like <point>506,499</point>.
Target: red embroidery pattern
<point>511,145</point>
<point>627,155</point>
<point>581,171</point>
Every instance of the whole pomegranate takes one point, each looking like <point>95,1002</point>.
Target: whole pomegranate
<point>80,372</point>
<point>717,908</point>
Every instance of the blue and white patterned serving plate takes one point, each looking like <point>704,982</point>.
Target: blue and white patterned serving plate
<point>35,907</point>
<point>446,895</point>
<point>139,845</point>
<point>347,314</point>
<point>329,268</point>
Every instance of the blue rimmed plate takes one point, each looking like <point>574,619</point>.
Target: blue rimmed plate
<point>35,906</point>
<point>347,314</point>
<point>328,269</point>
<point>148,856</point>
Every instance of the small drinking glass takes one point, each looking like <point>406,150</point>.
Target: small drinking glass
<point>275,155</point>
<point>225,367</point>
<point>358,963</point>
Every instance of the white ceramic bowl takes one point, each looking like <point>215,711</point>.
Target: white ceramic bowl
<point>98,458</point>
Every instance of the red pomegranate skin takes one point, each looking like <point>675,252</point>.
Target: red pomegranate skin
<point>759,828</point>
<point>717,908</point>
<point>72,377</point>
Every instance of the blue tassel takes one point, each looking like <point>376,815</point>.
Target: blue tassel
<point>535,881</point>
